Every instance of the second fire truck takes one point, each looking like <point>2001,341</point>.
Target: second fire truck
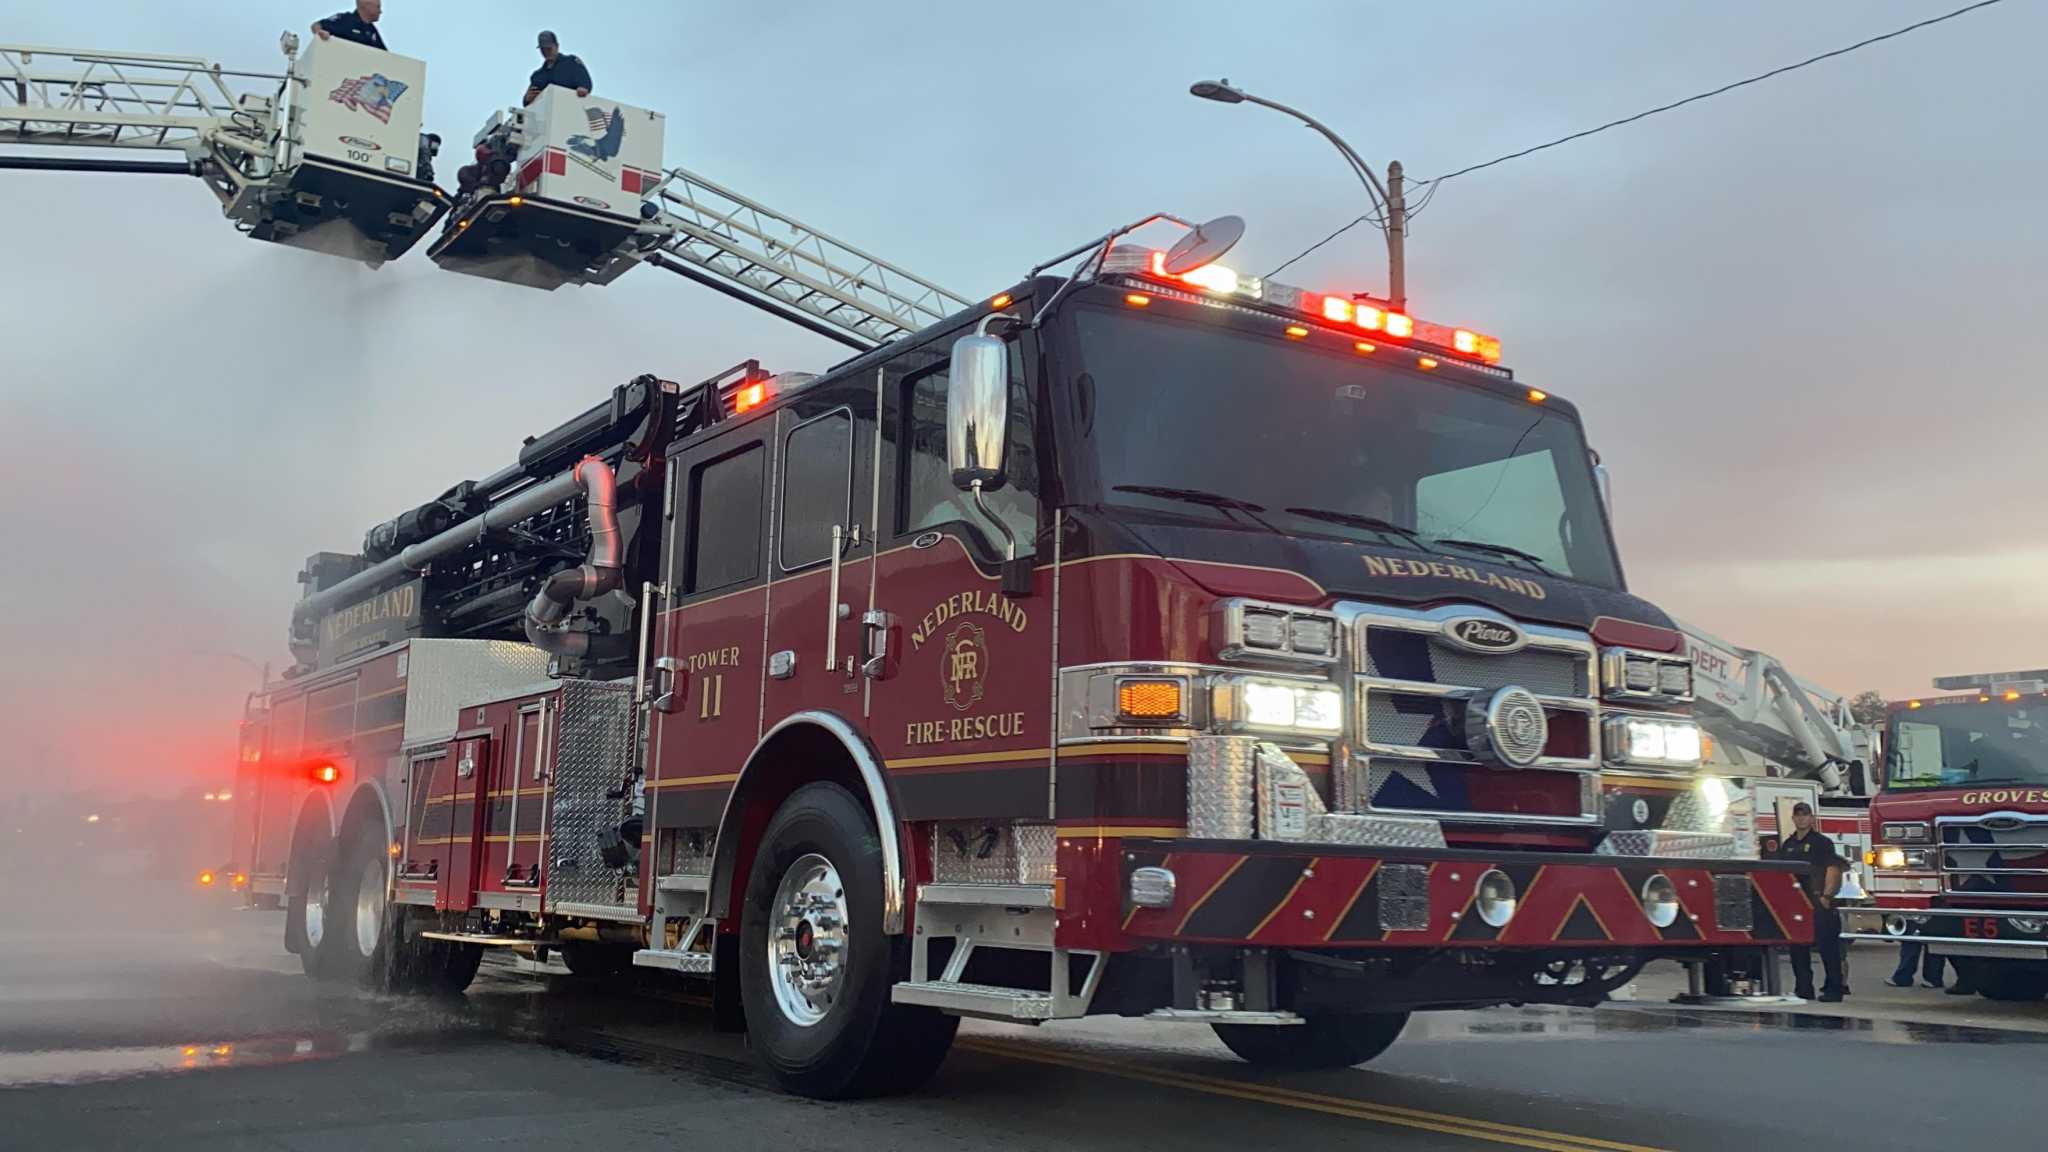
<point>1961,832</point>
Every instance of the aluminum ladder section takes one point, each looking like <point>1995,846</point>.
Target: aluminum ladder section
<point>129,100</point>
<point>741,241</point>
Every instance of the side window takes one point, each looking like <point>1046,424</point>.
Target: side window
<point>925,496</point>
<point>725,520</point>
<point>817,487</point>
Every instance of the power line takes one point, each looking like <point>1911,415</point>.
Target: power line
<point>1433,182</point>
<point>1759,77</point>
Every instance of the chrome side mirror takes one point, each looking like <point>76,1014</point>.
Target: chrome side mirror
<point>978,413</point>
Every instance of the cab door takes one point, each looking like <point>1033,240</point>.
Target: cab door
<point>705,690</point>
<point>824,505</point>
<point>959,696</point>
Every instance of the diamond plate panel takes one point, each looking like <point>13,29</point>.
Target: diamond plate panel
<point>1222,772</point>
<point>992,852</point>
<point>1404,897</point>
<point>690,851</point>
<point>442,677</point>
<point>1689,813</point>
<point>1680,845</point>
<point>1376,831</point>
<point>591,790</point>
<point>1733,911</point>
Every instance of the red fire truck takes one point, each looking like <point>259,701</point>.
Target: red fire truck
<point>1961,832</point>
<point>1149,640</point>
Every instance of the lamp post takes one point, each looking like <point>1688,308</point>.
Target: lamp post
<point>1388,197</point>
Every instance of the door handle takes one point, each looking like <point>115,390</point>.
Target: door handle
<point>874,643</point>
<point>671,684</point>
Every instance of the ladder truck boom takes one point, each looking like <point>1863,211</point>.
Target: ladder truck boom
<point>327,155</point>
<point>1751,704</point>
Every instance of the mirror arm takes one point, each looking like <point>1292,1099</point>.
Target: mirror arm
<point>1009,537</point>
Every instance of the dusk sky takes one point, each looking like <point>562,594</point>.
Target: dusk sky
<point>1800,318</point>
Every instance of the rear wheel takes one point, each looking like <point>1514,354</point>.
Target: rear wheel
<point>357,920</point>
<point>815,966</point>
<point>1320,1042</point>
<point>308,900</point>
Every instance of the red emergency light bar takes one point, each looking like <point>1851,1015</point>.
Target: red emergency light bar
<point>1352,314</point>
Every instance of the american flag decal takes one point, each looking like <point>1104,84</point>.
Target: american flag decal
<point>374,94</point>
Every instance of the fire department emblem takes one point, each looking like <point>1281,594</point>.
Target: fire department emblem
<point>375,94</point>
<point>963,666</point>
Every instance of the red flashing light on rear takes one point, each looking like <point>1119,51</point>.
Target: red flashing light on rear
<point>1399,324</point>
<point>1337,308</point>
<point>326,774</point>
<point>748,398</point>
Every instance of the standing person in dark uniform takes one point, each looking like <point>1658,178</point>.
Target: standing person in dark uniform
<point>556,71</point>
<point>359,25</point>
<point>1822,877</point>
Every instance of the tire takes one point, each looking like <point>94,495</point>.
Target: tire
<point>2011,984</point>
<point>360,928</point>
<point>821,1021</point>
<point>1319,1043</point>
<point>307,926</point>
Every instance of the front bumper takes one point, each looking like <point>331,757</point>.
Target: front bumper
<point>1289,895</point>
<point>1988,934</point>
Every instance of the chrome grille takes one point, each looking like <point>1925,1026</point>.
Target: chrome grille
<point>1416,676</point>
<point>1733,910</point>
<point>1997,854</point>
<point>1402,654</point>
<point>1404,897</point>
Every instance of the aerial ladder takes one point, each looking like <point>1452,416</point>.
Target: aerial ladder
<point>327,155</point>
<point>1764,721</point>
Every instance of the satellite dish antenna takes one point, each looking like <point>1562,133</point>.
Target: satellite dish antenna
<point>1205,245</point>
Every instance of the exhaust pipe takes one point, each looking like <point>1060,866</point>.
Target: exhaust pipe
<point>603,571</point>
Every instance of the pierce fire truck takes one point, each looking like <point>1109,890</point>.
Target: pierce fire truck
<point>1141,639</point>
<point>1961,832</point>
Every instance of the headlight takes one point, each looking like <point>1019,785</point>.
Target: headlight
<point>1653,740</point>
<point>1242,703</point>
<point>1913,832</point>
<point>1890,858</point>
<point>1275,633</point>
<point>1627,674</point>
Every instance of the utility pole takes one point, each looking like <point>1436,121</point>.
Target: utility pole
<point>1389,198</point>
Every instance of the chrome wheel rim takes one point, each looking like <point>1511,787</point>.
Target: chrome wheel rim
<point>370,908</point>
<point>316,915</point>
<point>807,940</point>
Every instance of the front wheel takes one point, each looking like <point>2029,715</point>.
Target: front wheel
<point>2009,983</point>
<point>815,966</point>
<point>1318,1043</point>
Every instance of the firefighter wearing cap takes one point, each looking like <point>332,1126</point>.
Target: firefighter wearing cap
<point>1822,877</point>
<point>557,70</point>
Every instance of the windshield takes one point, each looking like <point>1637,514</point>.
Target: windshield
<point>1202,421</point>
<point>1953,745</point>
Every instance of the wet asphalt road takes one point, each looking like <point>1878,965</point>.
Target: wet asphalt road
<point>189,1028</point>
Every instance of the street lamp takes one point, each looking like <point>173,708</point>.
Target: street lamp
<point>1387,198</point>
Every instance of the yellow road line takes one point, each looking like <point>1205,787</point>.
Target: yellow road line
<point>1489,1130</point>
